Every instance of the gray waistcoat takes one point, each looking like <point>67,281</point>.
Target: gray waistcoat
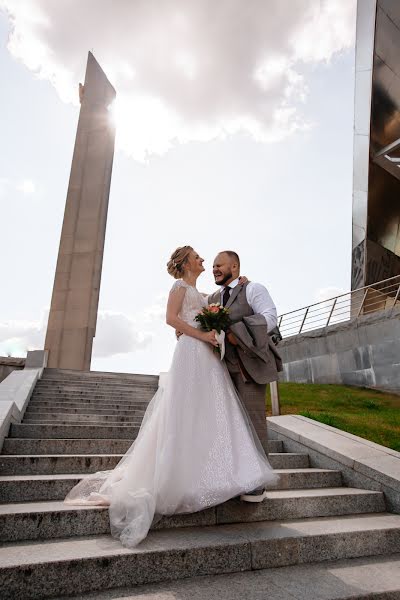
<point>238,308</point>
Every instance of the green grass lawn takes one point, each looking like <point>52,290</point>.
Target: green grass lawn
<point>370,414</point>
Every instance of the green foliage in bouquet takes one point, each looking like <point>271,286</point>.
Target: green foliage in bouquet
<point>214,316</point>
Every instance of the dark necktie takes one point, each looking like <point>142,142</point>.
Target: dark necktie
<point>226,295</point>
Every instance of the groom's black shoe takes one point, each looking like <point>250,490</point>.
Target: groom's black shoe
<point>255,496</point>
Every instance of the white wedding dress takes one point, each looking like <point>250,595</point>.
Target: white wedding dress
<point>196,447</point>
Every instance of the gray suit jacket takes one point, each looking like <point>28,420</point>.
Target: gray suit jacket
<point>255,349</point>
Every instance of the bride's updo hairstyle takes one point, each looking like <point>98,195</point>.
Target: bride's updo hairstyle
<point>175,265</point>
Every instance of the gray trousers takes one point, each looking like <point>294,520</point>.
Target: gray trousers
<point>253,397</point>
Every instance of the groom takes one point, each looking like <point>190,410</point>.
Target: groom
<point>250,355</point>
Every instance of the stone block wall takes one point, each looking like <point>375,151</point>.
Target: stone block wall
<point>9,364</point>
<point>363,352</point>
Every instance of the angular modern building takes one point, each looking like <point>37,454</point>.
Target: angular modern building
<point>376,178</point>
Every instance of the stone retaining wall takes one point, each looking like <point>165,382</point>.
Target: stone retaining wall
<point>364,352</point>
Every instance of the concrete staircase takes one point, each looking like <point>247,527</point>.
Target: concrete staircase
<point>81,423</point>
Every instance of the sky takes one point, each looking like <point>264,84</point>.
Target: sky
<point>234,131</point>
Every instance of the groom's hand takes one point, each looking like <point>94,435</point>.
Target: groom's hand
<point>178,334</point>
<point>231,338</point>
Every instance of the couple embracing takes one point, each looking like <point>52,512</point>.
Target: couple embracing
<point>203,439</point>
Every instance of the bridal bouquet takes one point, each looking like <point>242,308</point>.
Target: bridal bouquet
<point>215,316</point>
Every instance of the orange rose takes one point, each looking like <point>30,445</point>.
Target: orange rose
<point>214,309</point>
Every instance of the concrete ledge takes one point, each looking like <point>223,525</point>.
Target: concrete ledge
<point>16,391</point>
<point>363,463</point>
<point>36,359</point>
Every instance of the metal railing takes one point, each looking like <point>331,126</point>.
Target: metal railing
<point>371,298</point>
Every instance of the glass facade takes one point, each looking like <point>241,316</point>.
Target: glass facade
<point>376,174</point>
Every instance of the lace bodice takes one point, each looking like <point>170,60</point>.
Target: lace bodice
<point>193,302</point>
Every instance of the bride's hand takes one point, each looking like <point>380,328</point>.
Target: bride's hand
<point>243,279</point>
<point>209,337</point>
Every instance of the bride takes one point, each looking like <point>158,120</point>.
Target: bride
<point>196,447</point>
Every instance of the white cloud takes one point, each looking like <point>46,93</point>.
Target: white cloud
<point>116,334</point>
<point>156,311</point>
<point>17,337</point>
<point>4,186</point>
<point>329,28</point>
<point>185,71</point>
<point>26,187</point>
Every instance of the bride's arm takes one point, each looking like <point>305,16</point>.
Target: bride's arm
<point>174,306</point>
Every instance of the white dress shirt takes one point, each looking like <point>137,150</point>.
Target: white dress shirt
<point>259,301</point>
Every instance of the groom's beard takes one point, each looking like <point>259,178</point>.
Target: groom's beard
<point>225,279</point>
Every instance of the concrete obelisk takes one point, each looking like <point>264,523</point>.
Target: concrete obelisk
<point>73,312</point>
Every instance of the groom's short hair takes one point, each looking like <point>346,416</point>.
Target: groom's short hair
<point>233,255</point>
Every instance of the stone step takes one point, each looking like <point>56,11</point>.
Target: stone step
<point>116,381</point>
<point>371,578</point>
<point>87,403</point>
<point>91,423</point>
<point>77,382</point>
<point>77,565</point>
<point>90,463</point>
<point>62,396</point>
<point>41,384</point>
<point>46,520</point>
<point>51,404</point>
<point>132,381</point>
<point>42,417</point>
<point>132,396</point>
<point>82,400</point>
<point>95,391</point>
<point>95,387</point>
<point>35,488</point>
<point>14,446</point>
<point>49,375</point>
<point>33,410</point>
<point>55,464</point>
<point>69,431</point>
<point>129,393</point>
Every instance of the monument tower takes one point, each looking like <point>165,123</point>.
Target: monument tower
<point>73,312</point>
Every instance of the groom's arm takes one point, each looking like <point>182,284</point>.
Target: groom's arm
<point>261,303</point>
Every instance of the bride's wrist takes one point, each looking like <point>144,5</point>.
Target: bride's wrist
<point>202,335</point>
